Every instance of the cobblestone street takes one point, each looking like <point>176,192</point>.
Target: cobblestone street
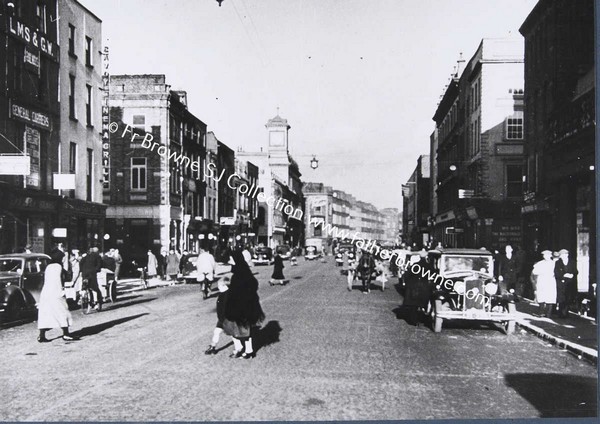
<point>324,353</point>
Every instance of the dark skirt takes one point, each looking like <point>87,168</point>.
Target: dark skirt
<point>277,273</point>
<point>236,330</point>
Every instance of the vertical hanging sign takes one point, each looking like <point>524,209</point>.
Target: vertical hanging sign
<point>105,124</point>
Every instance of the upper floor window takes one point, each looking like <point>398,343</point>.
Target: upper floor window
<point>138,174</point>
<point>88,105</point>
<point>71,40</point>
<point>139,122</point>
<point>514,127</point>
<point>40,12</point>
<point>514,180</point>
<point>72,113</point>
<point>88,51</point>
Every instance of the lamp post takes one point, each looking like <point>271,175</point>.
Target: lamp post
<point>314,163</point>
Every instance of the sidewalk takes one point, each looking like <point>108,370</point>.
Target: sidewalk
<point>127,285</point>
<point>575,333</point>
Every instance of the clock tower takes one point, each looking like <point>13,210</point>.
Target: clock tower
<point>279,162</point>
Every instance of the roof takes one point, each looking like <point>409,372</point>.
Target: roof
<point>24,255</point>
<point>278,121</point>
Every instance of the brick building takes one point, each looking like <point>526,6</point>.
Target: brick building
<point>151,191</point>
<point>416,204</point>
<point>479,156</point>
<point>29,124</point>
<point>559,210</point>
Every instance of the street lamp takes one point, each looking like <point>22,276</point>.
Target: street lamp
<point>452,168</point>
<point>219,1</point>
<point>314,163</point>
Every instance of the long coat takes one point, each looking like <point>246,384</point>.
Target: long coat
<point>418,289</point>
<point>543,272</point>
<point>53,311</point>
<point>566,288</point>
<point>172,264</point>
<point>508,269</point>
<point>152,264</point>
<point>278,268</point>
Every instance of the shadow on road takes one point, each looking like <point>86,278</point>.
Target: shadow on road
<point>128,297</point>
<point>131,303</point>
<point>557,395</point>
<point>267,335</point>
<point>98,328</point>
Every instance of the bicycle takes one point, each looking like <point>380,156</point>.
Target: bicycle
<point>85,294</point>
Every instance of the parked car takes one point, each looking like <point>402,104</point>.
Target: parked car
<point>345,247</point>
<point>312,252</point>
<point>465,289</point>
<point>21,282</point>
<point>262,256</point>
<point>284,250</point>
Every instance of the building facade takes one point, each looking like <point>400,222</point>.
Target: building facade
<point>416,204</point>
<point>392,222</point>
<point>480,161</point>
<point>80,150</point>
<point>146,184</point>
<point>559,205</point>
<point>29,125</point>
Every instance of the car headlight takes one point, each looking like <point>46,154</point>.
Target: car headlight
<point>459,287</point>
<point>491,288</point>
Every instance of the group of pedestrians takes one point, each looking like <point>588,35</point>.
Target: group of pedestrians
<point>365,268</point>
<point>555,283</point>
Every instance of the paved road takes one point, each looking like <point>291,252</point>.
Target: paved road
<point>323,354</point>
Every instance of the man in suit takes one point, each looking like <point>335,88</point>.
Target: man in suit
<point>508,268</point>
<point>89,266</point>
<point>565,271</point>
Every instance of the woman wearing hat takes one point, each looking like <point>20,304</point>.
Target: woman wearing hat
<point>544,283</point>
<point>565,271</point>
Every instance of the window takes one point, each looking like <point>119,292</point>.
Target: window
<point>17,66</point>
<point>317,231</point>
<point>138,174</point>
<point>514,180</point>
<point>514,127</point>
<point>40,12</point>
<point>42,81</point>
<point>72,158</point>
<point>88,106</point>
<point>88,51</point>
<point>72,97</point>
<point>89,177</point>
<point>139,122</point>
<point>72,40</point>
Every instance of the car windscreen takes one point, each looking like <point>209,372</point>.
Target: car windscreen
<point>11,265</point>
<point>458,263</point>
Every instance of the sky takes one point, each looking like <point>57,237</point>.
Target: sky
<point>357,80</point>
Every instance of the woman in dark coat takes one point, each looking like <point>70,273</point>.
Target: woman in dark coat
<point>243,310</point>
<point>277,276</point>
<point>418,289</point>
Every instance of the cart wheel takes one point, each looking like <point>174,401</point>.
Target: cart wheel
<point>436,321</point>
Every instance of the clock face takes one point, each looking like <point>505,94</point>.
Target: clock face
<point>277,138</point>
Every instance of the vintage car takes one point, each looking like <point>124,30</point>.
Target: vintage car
<point>465,289</point>
<point>284,250</point>
<point>21,282</point>
<point>262,255</point>
<point>312,252</point>
<point>345,247</point>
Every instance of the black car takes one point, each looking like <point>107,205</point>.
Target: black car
<point>262,256</point>
<point>21,282</point>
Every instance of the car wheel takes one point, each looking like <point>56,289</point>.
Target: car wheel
<point>436,321</point>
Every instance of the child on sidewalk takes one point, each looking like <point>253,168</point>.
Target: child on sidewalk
<point>223,285</point>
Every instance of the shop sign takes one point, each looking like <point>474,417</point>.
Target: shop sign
<point>15,165</point>
<point>32,143</point>
<point>29,116</point>
<point>105,123</point>
<point>64,181</point>
<point>31,59</point>
<point>227,220</point>
<point>32,37</point>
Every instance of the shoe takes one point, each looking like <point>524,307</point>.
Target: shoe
<point>98,307</point>
<point>69,338</point>
<point>248,355</point>
<point>89,309</point>
<point>42,339</point>
<point>235,354</point>
<point>210,351</point>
